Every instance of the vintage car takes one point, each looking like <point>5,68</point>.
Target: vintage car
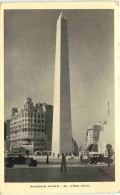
<point>17,159</point>
<point>99,158</point>
<point>85,159</point>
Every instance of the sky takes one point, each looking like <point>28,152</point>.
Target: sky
<point>30,38</point>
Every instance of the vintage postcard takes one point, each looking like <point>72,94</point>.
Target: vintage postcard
<point>59,98</point>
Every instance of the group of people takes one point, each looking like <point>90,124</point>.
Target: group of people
<point>63,159</point>
<point>57,155</point>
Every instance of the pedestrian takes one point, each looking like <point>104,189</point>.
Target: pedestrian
<point>63,162</point>
<point>27,153</point>
<point>47,159</point>
<point>53,154</point>
<point>81,157</point>
<point>108,158</point>
<point>88,156</point>
<point>58,155</point>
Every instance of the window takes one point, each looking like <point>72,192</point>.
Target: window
<point>38,121</point>
<point>38,116</point>
<point>34,120</point>
<point>34,116</point>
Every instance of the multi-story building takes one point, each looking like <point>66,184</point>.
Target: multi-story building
<point>31,127</point>
<point>92,137</point>
<point>75,147</point>
<point>104,136</point>
<point>7,135</point>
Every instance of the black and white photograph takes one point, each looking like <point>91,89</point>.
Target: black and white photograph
<point>59,96</point>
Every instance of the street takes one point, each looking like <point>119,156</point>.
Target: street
<point>52,173</point>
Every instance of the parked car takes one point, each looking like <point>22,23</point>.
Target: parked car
<point>8,162</point>
<point>12,160</point>
<point>99,158</point>
<point>85,159</point>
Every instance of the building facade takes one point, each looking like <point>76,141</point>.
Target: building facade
<point>7,135</point>
<point>75,147</point>
<point>31,127</point>
<point>92,138</point>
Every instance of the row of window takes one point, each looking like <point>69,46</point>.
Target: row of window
<point>42,140</point>
<point>27,115</point>
<point>23,136</point>
<point>27,120</point>
<point>39,144</point>
<point>27,130</point>
<point>27,125</point>
<point>28,146</point>
<point>30,109</point>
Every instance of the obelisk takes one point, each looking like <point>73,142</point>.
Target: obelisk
<point>62,130</point>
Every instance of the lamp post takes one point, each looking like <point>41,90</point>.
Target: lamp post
<point>108,146</point>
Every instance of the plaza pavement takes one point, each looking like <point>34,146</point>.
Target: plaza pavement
<point>52,173</point>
